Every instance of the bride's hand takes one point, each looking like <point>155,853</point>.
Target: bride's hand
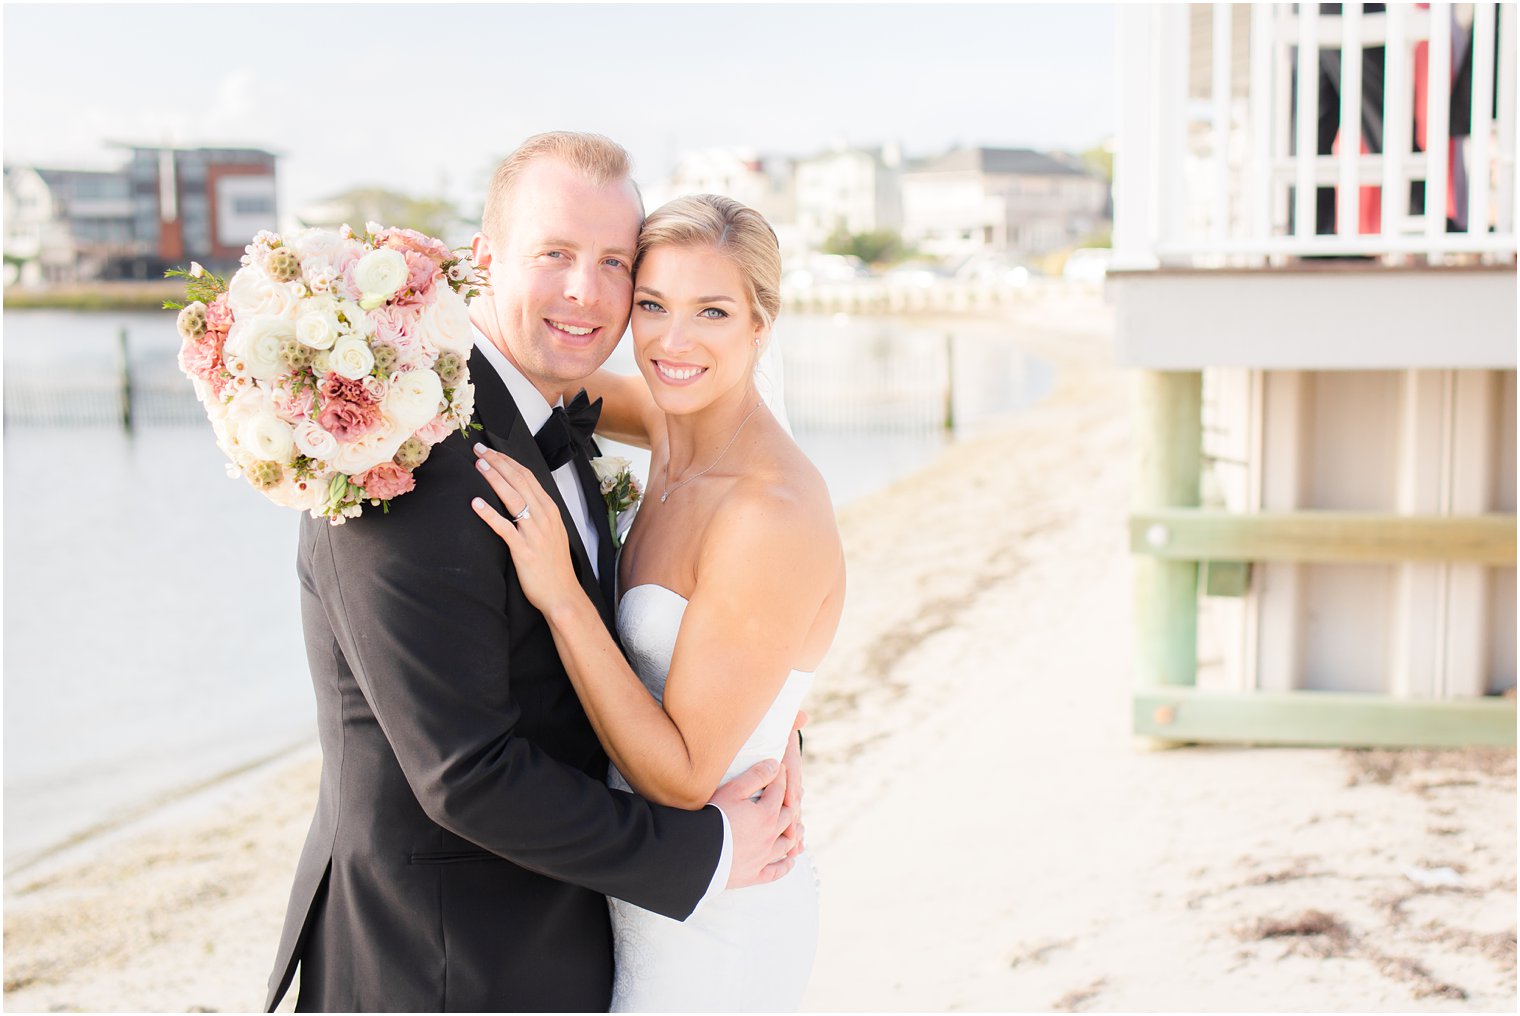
<point>537,540</point>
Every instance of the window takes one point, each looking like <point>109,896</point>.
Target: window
<point>253,205</point>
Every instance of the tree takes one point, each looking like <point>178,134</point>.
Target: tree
<point>358,205</point>
<point>879,246</point>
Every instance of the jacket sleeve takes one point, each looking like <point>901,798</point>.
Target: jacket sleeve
<point>416,599</point>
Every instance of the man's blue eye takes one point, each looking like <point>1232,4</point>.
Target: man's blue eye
<point>618,262</point>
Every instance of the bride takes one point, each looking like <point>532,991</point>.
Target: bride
<point>730,590</point>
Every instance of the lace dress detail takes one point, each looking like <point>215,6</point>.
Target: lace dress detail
<point>745,950</point>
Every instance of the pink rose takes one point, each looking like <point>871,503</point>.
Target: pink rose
<point>410,240</point>
<point>348,409</point>
<point>385,481</point>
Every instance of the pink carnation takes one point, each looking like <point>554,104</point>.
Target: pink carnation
<point>435,430</point>
<point>219,314</point>
<point>290,406</point>
<point>385,481</point>
<point>395,323</point>
<point>410,240</point>
<point>348,409</point>
<point>422,270</point>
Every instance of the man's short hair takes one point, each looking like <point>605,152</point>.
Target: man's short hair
<point>601,159</point>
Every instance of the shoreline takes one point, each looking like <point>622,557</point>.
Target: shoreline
<point>988,836</point>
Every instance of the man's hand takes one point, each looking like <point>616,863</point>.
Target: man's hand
<point>792,761</point>
<point>763,846</point>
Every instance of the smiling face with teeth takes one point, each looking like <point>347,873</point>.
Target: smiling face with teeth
<point>694,330</point>
<point>561,276</point>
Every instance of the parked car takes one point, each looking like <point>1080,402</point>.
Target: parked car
<point>1087,266</point>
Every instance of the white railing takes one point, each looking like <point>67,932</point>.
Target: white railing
<point>1230,177</point>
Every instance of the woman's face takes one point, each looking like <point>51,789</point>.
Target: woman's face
<point>694,333</point>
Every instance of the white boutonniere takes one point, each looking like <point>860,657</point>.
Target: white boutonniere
<point>621,491</point>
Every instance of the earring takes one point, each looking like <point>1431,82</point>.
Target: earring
<point>757,342</point>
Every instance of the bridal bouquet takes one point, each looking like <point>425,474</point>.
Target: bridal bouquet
<point>332,362</point>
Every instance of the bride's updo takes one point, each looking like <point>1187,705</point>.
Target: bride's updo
<point>736,231</point>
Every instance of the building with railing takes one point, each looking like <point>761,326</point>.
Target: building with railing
<point>1314,281</point>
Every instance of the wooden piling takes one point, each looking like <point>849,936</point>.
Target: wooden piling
<point>1169,431</point>
<point>126,379</point>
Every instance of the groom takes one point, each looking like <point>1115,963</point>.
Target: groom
<point>464,839</point>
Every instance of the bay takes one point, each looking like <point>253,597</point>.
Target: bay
<point>152,629</point>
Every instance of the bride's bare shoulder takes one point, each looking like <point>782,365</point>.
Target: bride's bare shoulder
<point>779,509</point>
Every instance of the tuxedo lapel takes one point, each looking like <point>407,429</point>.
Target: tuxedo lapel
<point>507,432</point>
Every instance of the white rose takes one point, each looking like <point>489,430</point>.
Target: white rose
<point>445,323</point>
<point>267,438</point>
<point>253,345</point>
<point>375,447</point>
<point>414,399</point>
<point>315,442</point>
<point>609,467</point>
<point>316,245</point>
<point>379,274</point>
<point>317,326</point>
<point>352,358</point>
<point>252,292</point>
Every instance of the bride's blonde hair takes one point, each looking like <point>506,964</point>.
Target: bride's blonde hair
<point>736,231</point>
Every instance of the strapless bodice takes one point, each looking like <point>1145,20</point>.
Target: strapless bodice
<point>648,621</point>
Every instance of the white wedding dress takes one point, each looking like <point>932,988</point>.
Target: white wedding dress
<point>745,950</point>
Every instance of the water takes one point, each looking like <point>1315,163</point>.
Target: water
<point>152,628</point>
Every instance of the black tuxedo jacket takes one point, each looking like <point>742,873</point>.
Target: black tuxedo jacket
<point>463,839</point>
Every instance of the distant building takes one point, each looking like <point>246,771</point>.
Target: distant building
<point>853,190</point>
<point>1013,200</point>
<point>166,207</point>
<point>65,225</point>
<point>761,182</point>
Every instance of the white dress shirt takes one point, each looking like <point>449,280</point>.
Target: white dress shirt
<point>535,410</point>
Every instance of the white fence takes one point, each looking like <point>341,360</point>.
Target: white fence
<point>1228,173</point>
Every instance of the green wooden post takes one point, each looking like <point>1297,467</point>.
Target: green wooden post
<point>1169,447</point>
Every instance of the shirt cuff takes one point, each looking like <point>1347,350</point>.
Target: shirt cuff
<point>725,864</point>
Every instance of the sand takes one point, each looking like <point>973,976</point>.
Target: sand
<point>989,835</point>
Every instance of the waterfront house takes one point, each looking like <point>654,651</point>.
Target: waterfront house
<point>1004,200</point>
<point>65,225</point>
<point>1314,283</point>
<point>848,190</point>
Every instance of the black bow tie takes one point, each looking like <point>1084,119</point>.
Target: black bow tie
<point>569,430</point>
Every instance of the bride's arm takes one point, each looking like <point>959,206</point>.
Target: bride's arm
<point>629,414</point>
<point>762,575</point>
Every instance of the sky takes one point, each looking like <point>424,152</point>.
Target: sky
<point>426,99</point>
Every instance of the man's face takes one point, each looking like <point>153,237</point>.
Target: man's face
<point>562,275</point>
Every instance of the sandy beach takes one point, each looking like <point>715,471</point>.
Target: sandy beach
<point>988,834</point>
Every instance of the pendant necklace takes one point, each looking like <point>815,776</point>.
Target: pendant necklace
<point>669,490</point>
